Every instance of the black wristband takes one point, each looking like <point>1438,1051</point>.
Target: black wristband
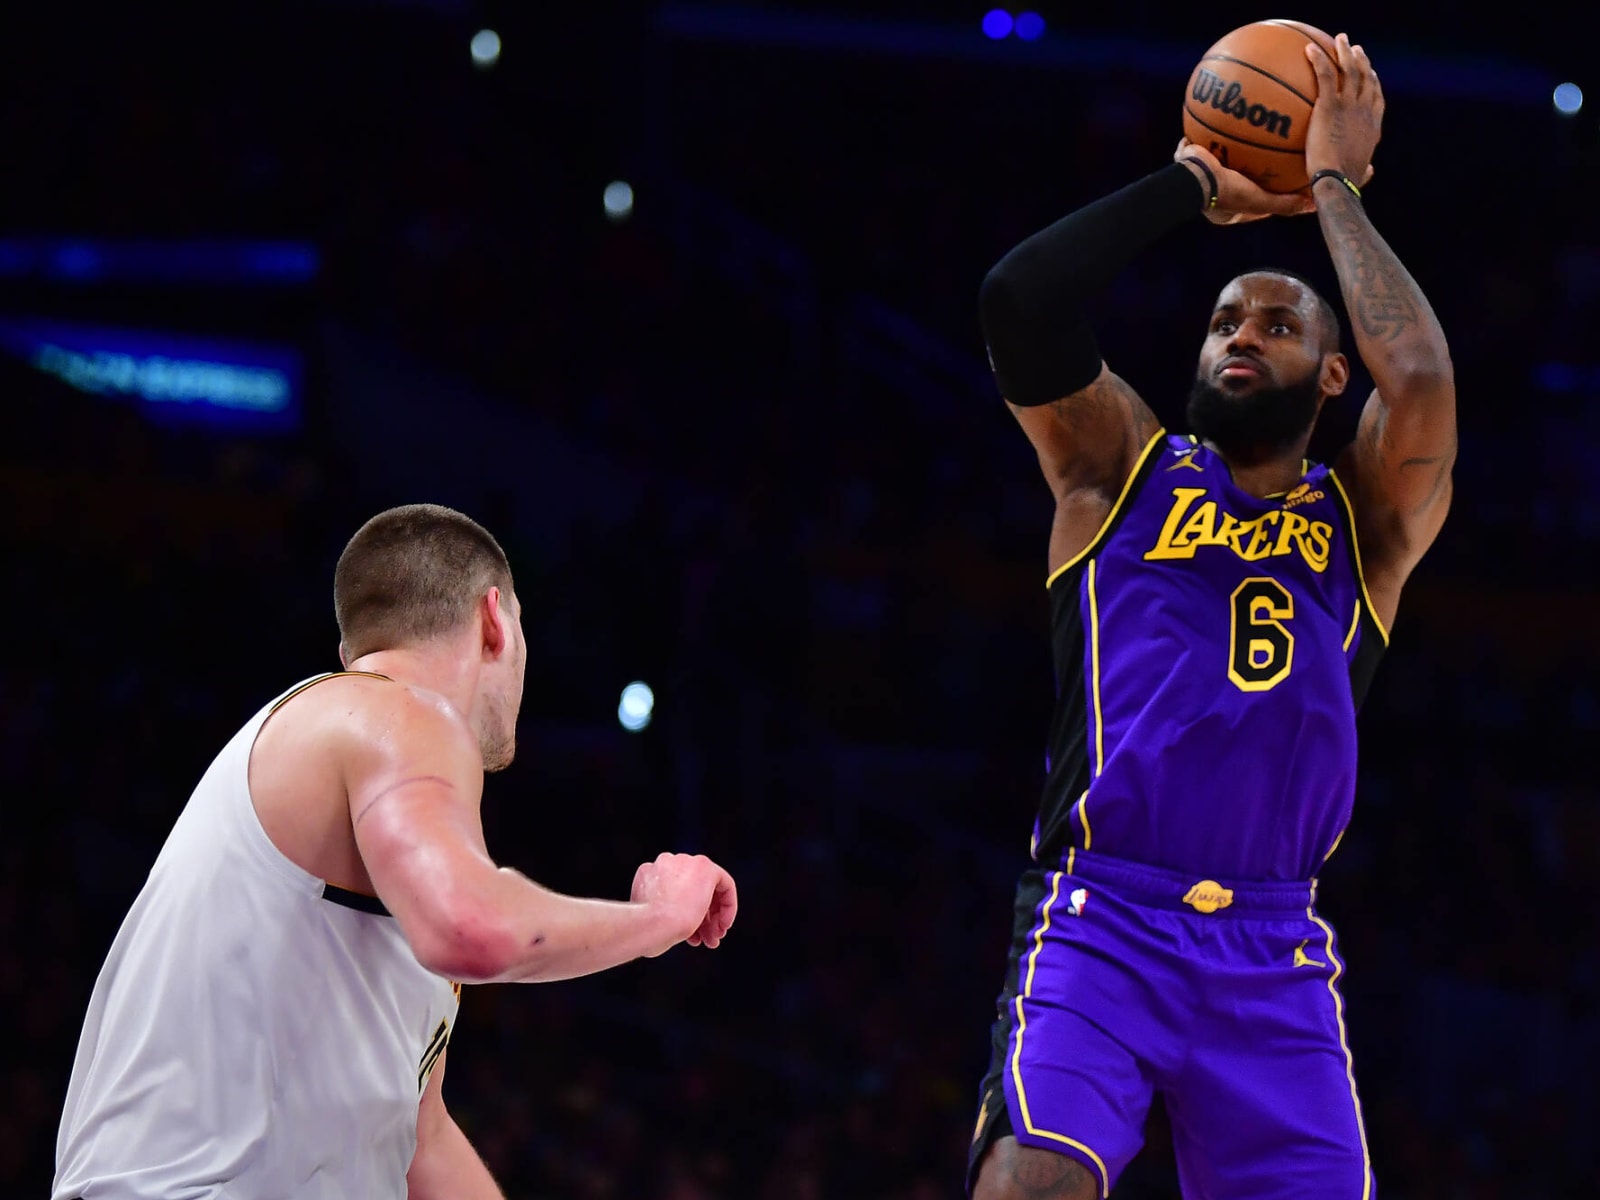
<point>1330,173</point>
<point>1211,180</point>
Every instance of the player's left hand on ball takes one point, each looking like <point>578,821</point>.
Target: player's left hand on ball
<point>1347,119</point>
<point>719,916</point>
<point>1239,198</point>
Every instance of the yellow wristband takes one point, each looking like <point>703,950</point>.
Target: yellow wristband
<point>1330,173</point>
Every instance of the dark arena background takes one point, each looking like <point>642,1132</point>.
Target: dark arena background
<point>681,302</point>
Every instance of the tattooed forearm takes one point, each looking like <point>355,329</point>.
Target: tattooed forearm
<point>1385,303</point>
<point>1405,445</point>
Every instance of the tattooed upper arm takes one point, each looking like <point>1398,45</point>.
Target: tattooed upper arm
<point>1399,471</point>
<point>1091,438</point>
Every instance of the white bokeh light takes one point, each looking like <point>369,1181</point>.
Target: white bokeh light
<point>636,706</point>
<point>618,200</point>
<point>485,47</point>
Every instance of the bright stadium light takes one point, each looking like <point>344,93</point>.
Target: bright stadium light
<point>485,47</point>
<point>618,200</point>
<point>636,706</point>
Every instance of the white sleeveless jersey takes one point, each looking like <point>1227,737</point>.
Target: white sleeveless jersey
<point>254,1032</point>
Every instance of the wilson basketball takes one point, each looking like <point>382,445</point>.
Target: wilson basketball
<point>1250,99</point>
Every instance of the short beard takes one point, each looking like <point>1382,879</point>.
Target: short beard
<point>497,739</point>
<point>497,754</point>
<point>1257,425</point>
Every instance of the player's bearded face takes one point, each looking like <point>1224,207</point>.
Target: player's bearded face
<point>1256,421</point>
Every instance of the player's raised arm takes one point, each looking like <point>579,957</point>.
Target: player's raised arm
<point>1087,425</point>
<point>1400,464</point>
<point>414,776</point>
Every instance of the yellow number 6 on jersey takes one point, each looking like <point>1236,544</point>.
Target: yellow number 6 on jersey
<point>1260,647</point>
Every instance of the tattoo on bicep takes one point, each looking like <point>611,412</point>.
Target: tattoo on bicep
<point>1441,464</point>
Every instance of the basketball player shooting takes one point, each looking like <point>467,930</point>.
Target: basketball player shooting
<point>1218,606</point>
<point>272,1018</point>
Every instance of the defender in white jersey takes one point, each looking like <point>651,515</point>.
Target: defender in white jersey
<point>272,1018</point>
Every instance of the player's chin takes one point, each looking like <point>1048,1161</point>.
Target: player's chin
<point>500,756</point>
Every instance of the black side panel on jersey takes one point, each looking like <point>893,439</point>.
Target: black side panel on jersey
<point>1069,774</point>
<point>1369,650</point>
<point>1372,639</point>
<point>1070,769</point>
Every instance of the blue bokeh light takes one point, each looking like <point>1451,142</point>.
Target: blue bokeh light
<point>1030,26</point>
<point>997,23</point>
<point>1568,99</point>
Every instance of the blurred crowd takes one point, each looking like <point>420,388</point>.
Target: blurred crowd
<point>831,577</point>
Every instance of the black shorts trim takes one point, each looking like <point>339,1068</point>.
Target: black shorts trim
<point>994,1116</point>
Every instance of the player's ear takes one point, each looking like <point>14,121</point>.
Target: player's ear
<point>1335,374</point>
<point>492,619</point>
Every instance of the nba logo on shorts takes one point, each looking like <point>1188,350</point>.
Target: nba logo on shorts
<point>1076,901</point>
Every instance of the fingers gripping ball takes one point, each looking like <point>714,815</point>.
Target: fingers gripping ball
<point>1249,101</point>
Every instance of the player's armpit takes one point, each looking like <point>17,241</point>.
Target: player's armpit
<point>445,1166</point>
<point>1090,439</point>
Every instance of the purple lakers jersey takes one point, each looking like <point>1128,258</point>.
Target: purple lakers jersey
<point>1211,649</point>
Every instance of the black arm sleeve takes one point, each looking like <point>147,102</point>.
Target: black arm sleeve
<point>1041,347</point>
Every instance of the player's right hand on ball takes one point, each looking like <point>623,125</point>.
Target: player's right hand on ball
<point>697,897</point>
<point>1240,199</point>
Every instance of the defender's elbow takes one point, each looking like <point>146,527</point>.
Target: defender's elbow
<point>467,943</point>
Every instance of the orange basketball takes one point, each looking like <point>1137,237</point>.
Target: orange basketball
<point>1250,99</point>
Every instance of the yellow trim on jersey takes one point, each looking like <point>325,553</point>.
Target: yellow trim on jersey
<point>1016,1057</point>
<point>1349,1061</point>
<point>1355,623</point>
<point>1072,854</point>
<point>1094,673</point>
<point>1111,516</point>
<point>311,683</point>
<point>1083,818</point>
<point>1355,550</point>
<point>1333,848</point>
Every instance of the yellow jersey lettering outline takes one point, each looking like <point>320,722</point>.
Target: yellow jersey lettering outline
<point>1192,523</point>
